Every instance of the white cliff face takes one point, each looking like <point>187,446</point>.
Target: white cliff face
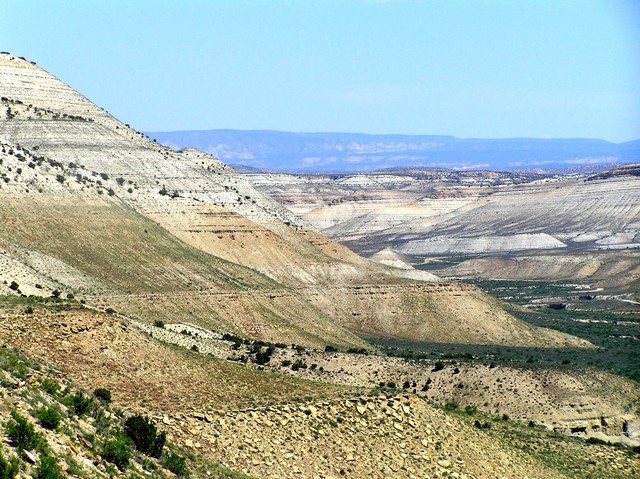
<point>192,194</point>
<point>488,244</point>
<point>47,118</point>
<point>42,112</point>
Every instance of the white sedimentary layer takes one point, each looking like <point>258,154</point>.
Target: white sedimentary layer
<point>486,244</point>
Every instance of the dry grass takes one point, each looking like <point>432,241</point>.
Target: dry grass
<point>99,350</point>
<point>117,246</point>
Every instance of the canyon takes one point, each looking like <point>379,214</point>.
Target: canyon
<point>190,291</point>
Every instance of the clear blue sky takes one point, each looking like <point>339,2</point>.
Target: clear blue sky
<point>485,68</point>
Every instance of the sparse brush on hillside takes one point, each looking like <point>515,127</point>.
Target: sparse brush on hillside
<point>53,427</point>
<point>43,406</point>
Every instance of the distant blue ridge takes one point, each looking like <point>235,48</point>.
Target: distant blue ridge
<point>359,152</point>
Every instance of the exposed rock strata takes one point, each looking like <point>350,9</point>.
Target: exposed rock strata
<point>197,221</point>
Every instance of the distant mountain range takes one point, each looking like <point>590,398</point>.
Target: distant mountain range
<point>357,152</point>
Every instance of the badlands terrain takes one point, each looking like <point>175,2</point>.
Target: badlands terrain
<point>479,224</point>
<point>258,345</point>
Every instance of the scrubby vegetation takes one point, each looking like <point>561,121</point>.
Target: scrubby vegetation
<point>144,435</point>
<point>50,405</point>
<point>103,394</point>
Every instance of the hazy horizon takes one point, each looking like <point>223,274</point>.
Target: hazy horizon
<point>389,134</point>
<point>494,69</point>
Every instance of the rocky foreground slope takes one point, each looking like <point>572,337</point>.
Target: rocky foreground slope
<point>268,425</point>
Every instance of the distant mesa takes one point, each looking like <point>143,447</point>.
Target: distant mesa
<point>357,152</point>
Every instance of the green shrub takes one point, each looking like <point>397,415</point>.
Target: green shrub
<point>50,385</point>
<point>330,349</point>
<point>298,364</point>
<point>438,366</point>
<point>81,403</point>
<point>21,432</point>
<point>595,440</point>
<point>14,286</point>
<point>481,425</point>
<point>117,451</point>
<point>177,464</point>
<point>48,469</point>
<point>49,417</point>
<point>11,361</point>
<point>101,422</point>
<point>264,356</point>
<point>9,469</point>
<point>103,394</point>
<point>237,341</point>
<point>451,406</point>
<point>158,323</point>
<point>470,409</point>
<point>358,351</point>
<point>143,433</point>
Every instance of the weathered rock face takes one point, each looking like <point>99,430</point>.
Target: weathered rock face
<point>192,194</point>
<point>619,269</point>
<point>568,400</point>
<point>91,208</point>
<point>361,437</point>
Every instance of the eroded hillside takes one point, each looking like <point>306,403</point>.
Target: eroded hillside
<point>118,214</point>
<point>266,424</point>
<point>107,238</point>
<point>576,227</point>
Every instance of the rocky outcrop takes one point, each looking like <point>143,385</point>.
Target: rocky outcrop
<point>397,437</point>
<point>446,246</point>
<point>271,425</point>
<point>567,401</point>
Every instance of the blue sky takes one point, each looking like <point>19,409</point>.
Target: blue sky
<point>484,69</point>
